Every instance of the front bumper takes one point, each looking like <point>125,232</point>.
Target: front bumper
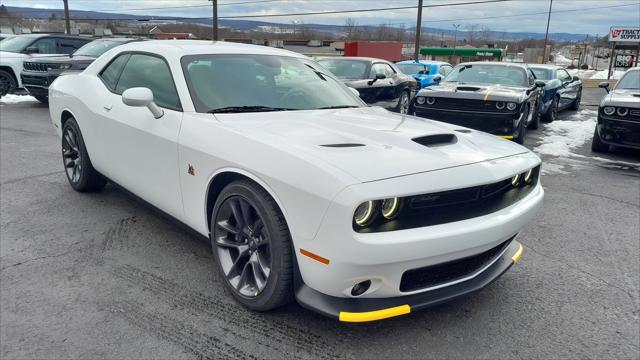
<point>501,124</point>
<point>619,132</point>
<point>372,309</point>
<point>37,83</point>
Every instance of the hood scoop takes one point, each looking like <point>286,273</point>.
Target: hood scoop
<point>467,88</point>
<point>636,95</point>
<point>343,145</point>
<point>436,140</point>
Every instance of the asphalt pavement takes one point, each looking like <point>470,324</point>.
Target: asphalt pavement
<point>104,276</point>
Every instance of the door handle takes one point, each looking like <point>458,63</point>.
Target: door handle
<point>107,107</point>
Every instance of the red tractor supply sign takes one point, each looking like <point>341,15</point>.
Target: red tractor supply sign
<point>624,61</point>
<point>624,34</point>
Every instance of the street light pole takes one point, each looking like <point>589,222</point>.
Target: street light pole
<point>214,29</point>
<point>416,52</point>
<point>546,35</point>
<point>67,23</point>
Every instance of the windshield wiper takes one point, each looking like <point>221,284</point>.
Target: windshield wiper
<point>338,107</point>
<point>239,109</point>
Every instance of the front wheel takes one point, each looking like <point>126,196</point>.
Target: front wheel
<point>534,116</point>
<point>522,127</point>
<point>252,246</point>
<point>552,112</point>
<point>403,103</point>
<point>77,165</point>
<point>596,144</point>
<point>575,105</point>
<point>7,83</point>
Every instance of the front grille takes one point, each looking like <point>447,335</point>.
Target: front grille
<point>452,205</point>
<point>38,67</point>
<point>429,276</point>
<point>635,113</point>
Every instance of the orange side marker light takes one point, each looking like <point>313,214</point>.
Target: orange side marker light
<point>314,256</point>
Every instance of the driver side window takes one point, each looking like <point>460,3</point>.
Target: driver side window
<point>153,73</point>
<point>563,76</point>
<point>45,46</point>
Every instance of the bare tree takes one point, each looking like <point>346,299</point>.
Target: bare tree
<point>471,33</point>
<point>351,28</point>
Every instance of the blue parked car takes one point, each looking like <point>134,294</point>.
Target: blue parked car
<point>562,91</point>
<point>425,71</point>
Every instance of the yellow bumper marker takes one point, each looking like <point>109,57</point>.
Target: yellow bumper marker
<point>516,257</point>
<point>374,315</point>
<point>508,137</point>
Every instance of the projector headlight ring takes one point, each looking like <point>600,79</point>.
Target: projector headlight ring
<point>365,213</point>
<point>608,110</point>
<point>390,207</point>
<point>431,100</point>
<point>622,111</point>
<point>420,100</point>
<point>511,106</point>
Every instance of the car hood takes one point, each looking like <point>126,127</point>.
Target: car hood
<point>475,91</point>
<point>371,143</point>
<point>12,55</point>
<point>622,97</point>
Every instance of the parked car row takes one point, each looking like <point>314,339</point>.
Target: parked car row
<point>31,62</point>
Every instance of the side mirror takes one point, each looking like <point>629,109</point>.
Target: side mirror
<point>378,77</point>
<point>575,78</point>
<point>355,91</point>
<point>604,85</point>
<point>142,97</point>
<point>31,50</point>
<point>437,78</point>
<point>540,83</point>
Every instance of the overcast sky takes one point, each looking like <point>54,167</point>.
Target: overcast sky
<point>593,17</point>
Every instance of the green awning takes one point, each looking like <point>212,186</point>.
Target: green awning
<point>467,52</point>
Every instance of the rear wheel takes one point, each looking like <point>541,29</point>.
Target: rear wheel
<point>7,83</point>
<point>77,165</point>
<point>251,242</point>
<point>596,144</point>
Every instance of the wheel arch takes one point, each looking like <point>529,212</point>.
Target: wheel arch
<point>9,69</point>
<point>224,177</point>
<point>65,115</point>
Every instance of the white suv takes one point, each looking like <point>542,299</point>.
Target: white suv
<point>15,50</point>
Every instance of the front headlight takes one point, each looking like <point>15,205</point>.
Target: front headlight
<point>622,111</point>
<point>420,100</point>
<point>500,105</point>
<point>511,106</point>
<point>528,176</point>
<point>364,214</point>
<point>609,110</point>
<point>431,100</point>
<point>390,207</point>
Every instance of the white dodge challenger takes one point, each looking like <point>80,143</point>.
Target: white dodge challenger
<point>304,191</point>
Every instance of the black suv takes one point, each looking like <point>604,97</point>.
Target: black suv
<point>38,73</point>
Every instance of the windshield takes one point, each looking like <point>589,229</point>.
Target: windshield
<point>346,69</point>
<point>15,44</point>
<point>630,80</point>
<point>97,48</point>
<point>250,83</point>
<point>488,74</point>
<point>542,73</point>
<point>410,69</point>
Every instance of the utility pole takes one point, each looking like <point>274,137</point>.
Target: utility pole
<point>67,23</point>
<point>545,56</point>
<point>416,52</point>
<point>214,18</point>
<point>455,38</point>
<point>586,51</point>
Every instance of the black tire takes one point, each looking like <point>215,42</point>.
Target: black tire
<point>575,105</point>
<point>535,123</point>
<point>552,112</point>
<point>596,144</point>
<point>404,103</point>
<point>7,83</point>
<point>42,99</point>
<point>522,128</point>
<point>75,159</point>
<point>278,288</point>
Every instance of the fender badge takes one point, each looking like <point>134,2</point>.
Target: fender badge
<point>191,171</point>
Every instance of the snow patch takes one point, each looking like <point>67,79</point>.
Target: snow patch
<point>595,74</point>
<point>552,168</point>
<point>562,136</point>
<point>17,99</point>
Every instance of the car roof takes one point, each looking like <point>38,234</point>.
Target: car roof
<point>501,63</point>
<point>357,58</point>
<point>545,66</point>
<point>201,47</point>
<point>56,35</point>
<point>423,62</point>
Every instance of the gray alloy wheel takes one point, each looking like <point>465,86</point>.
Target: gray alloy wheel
<point>522,127</point>
<point>251,242</point>
<point>7,83</point>
<point>596,144</point>
<point>403,103</point>
<point>576,103</point>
